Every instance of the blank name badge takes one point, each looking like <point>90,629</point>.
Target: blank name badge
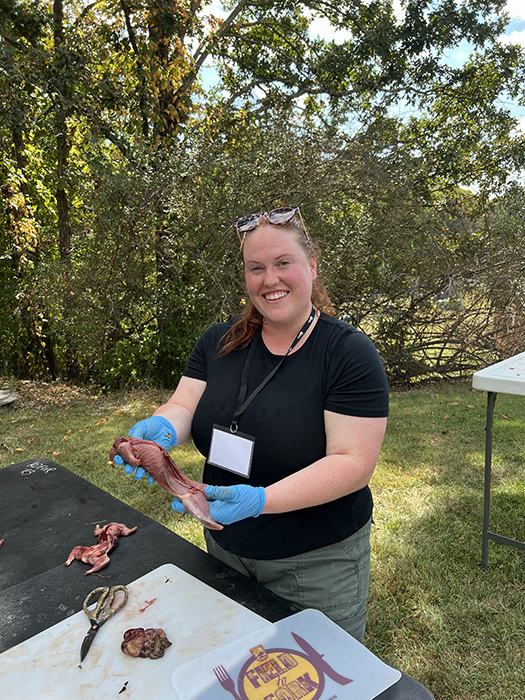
<point>231,451</point>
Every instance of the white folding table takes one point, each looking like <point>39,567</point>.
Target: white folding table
<point>506,377</point>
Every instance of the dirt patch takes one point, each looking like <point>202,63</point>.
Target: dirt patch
<point>40,395</point>
<point>35,395</point>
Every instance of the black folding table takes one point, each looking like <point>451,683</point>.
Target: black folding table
<point>44,512</point>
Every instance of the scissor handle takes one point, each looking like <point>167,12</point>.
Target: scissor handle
<point>104,608</point>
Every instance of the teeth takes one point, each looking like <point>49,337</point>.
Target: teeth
<point>275,295</point>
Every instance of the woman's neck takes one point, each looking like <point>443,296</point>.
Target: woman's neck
<point>279,338</point>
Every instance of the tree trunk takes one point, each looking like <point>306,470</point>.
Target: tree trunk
<point>62,141</point>
<point>63,146</point>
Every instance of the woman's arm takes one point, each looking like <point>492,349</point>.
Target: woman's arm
<point>352,450</point>
<point>180,408</point>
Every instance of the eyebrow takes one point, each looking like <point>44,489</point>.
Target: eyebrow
<point>278,257</point>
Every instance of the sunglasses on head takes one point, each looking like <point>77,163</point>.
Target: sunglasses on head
<point>277,217</point>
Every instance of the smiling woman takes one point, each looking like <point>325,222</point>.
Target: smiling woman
<point>310,396</point>
<point>279,277</point>
<point>286,253</point>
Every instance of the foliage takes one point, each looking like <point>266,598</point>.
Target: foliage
<point>121,176</point>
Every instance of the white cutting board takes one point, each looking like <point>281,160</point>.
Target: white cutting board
<point>195,617</point>
<point>290,669</point>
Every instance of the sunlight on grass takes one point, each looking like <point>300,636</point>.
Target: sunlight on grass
<point>433,612</point>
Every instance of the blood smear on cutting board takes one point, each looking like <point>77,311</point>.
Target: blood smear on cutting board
<point>149,602</point>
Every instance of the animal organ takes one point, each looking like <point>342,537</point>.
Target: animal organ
<point>150,643</point>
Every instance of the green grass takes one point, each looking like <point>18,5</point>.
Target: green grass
<point>76,429</point>
<point>433,612</point>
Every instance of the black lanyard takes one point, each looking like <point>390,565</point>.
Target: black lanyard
<point>242,401</point>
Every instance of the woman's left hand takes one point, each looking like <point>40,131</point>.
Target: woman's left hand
<point>228,504</point>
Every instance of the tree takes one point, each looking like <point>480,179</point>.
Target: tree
<point>106,91</point>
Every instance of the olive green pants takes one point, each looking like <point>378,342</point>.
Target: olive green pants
<point>331,579</point>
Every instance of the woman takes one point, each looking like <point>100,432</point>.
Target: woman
<point>289,406</point>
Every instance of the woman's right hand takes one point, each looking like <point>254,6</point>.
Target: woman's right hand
<point>159,430</point>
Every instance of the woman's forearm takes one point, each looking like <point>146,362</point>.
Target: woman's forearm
<point>180,408</point>
<point>323,481</point>
<point>180,418</point>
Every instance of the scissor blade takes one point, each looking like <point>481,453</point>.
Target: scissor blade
<point>87,642</point>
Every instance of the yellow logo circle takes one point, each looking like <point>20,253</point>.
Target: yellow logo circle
<point>279,674</point>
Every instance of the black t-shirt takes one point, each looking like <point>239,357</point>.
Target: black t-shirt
<point>337,369</point>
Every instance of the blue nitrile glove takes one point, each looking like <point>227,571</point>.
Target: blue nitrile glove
<point>232,503</point>
<point>156,428</point>
<point>178,507</point>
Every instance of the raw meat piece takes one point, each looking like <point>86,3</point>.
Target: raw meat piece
<point>97,554</point>
<point>156,460</point>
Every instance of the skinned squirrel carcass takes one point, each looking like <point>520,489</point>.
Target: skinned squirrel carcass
<point>97,554</point>
<point>157,462</point>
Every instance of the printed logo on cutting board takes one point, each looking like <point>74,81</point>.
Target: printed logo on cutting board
<point>281,674</point>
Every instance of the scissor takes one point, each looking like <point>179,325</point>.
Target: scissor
<point>103,610</point>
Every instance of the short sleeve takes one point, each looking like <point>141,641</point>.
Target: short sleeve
<point>357,383</point>
<point>203,350</point>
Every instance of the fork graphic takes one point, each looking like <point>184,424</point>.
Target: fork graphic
<point>226,680</point>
